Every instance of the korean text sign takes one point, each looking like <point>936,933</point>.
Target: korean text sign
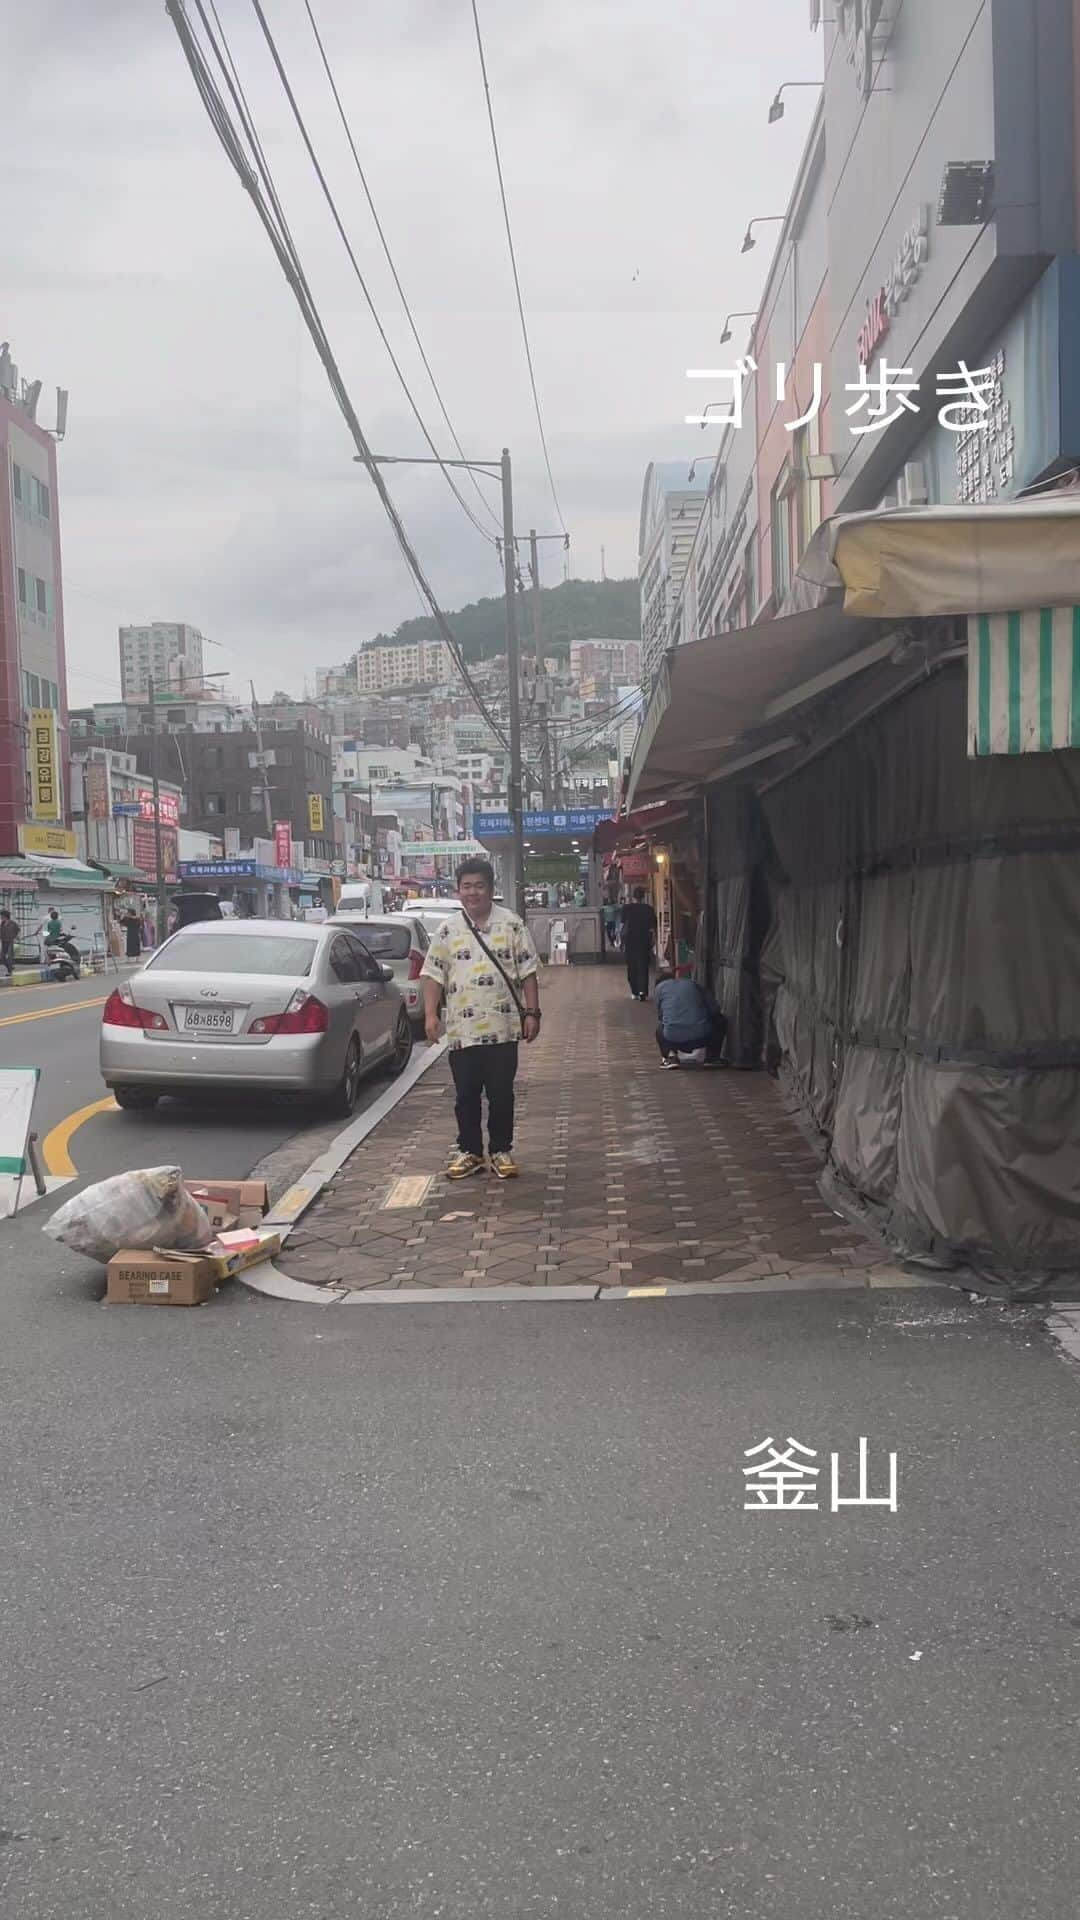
<point>44,765</point>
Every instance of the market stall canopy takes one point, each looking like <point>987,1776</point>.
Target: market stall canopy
<point>912,562</point>
<point>712,694</point>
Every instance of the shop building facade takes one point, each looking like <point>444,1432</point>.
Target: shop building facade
<point>35,811</point>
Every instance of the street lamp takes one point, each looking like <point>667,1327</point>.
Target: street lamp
<point>760,220</point>
<point>748,313</point>
<point>776,111</point>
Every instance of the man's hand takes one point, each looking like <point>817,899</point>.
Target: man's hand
<point>432,996</point>
<point>531,1028</point>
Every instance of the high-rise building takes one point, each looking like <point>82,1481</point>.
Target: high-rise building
<point>671,507</point>
<point>171,652</point>
<point>35,804</point>
<point>392,663</point>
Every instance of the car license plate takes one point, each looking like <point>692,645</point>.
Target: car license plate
<point>209,1019</point>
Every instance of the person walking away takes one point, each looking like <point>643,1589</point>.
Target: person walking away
<point>639,942</point>
<point>9,933</point>
<point>133,934</point>
<point>687,1018</point>
<point>483,965</point>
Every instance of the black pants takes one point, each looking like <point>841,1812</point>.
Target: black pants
<point>480,1070</point>
<point>5,958</point>
<point>637,969</point>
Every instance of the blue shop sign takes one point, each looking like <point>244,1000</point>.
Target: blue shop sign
<point>217,870</point>
<point>574,820</point>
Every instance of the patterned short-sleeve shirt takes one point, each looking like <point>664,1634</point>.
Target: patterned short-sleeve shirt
<point>480,1011</point>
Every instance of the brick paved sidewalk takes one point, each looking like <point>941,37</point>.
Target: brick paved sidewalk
<point>630,1176</point>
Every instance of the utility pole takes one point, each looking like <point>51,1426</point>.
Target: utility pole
<point>268,811</point>
<point>541,683</point>
<point>155,779</point>
<point>513,664</point>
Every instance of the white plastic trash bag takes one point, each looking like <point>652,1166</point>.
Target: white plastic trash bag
<point>696,1059</point>
<point>148,1207</point>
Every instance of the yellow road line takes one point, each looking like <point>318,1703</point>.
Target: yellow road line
<point>54,1150</point>
<point>49,1013</point>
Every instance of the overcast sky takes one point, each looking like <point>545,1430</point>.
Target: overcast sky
<point>207,475</point>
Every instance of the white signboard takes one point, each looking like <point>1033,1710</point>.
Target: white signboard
<point>18,1086</point>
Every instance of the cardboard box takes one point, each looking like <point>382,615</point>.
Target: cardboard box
<point>218,1214</point>
<point>160,1279</point>
<point>245,1200</point>
<point>224,1265</point>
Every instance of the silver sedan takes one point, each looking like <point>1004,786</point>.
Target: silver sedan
<point>265,1005</point>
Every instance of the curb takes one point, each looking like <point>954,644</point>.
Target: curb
<point>272,1283</point>
<point>268,1279</point>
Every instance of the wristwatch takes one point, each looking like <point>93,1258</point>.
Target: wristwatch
<point>532,1013</point>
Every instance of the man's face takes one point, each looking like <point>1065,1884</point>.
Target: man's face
<point>475,896</point>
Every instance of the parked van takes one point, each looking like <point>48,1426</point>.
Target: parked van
<point>360,896</point>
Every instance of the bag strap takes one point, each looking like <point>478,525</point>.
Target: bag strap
<point>496,962</point>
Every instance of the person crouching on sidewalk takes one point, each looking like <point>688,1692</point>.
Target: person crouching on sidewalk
<point>687,1019</point>
<point>483,963</point>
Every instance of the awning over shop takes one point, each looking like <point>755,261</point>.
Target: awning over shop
<point>725,703</point>
<point>116,870</point>
<point>48,872</point>
<point>911,562</point>
<point>635,826</point>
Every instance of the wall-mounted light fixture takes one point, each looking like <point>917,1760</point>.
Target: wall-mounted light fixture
<point>760,220</point>
<point>776,111</point>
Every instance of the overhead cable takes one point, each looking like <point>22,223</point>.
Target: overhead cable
<point>514,267</point>
<point>481,496</point>
<point>355,264</point>
<point>272,220</point>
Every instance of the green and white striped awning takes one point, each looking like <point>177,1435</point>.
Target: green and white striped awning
<point>1024,681</point>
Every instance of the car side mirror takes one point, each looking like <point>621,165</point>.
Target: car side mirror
<point>387,972</point>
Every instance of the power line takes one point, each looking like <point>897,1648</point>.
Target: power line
<point>291,265</point>
<point>481,496</point>
<point>355,264</point>
<point>513,264</point>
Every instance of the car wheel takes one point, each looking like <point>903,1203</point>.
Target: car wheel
<point>135,1099</point>
<point>403,1045</point>
<point>343,1099</point>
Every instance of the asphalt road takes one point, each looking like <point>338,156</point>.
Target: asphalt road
<point>56,1028</point>
<point>456,1611</point>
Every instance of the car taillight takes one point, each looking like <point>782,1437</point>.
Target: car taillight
<point>416,961</point>
<point>304,1014</point>
<point>120,1011</point>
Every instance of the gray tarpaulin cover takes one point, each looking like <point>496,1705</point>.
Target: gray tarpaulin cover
<point>919,979</point>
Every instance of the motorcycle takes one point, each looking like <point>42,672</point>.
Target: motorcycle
<point>63,959</point>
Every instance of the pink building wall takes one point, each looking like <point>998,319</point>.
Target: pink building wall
<point>774,443</point>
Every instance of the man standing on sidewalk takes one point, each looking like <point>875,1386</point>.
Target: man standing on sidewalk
<point>9,933</point>
<point>639,939</point>
<point>483,963</point>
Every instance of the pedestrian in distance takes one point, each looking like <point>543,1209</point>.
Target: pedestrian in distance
<point>133,933</point>
<point>482,968</point>
<point>9,933</point>
<point>639,942</point>
<point>688,1020</point>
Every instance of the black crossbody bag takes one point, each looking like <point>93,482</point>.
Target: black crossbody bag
<point>496,962</point>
